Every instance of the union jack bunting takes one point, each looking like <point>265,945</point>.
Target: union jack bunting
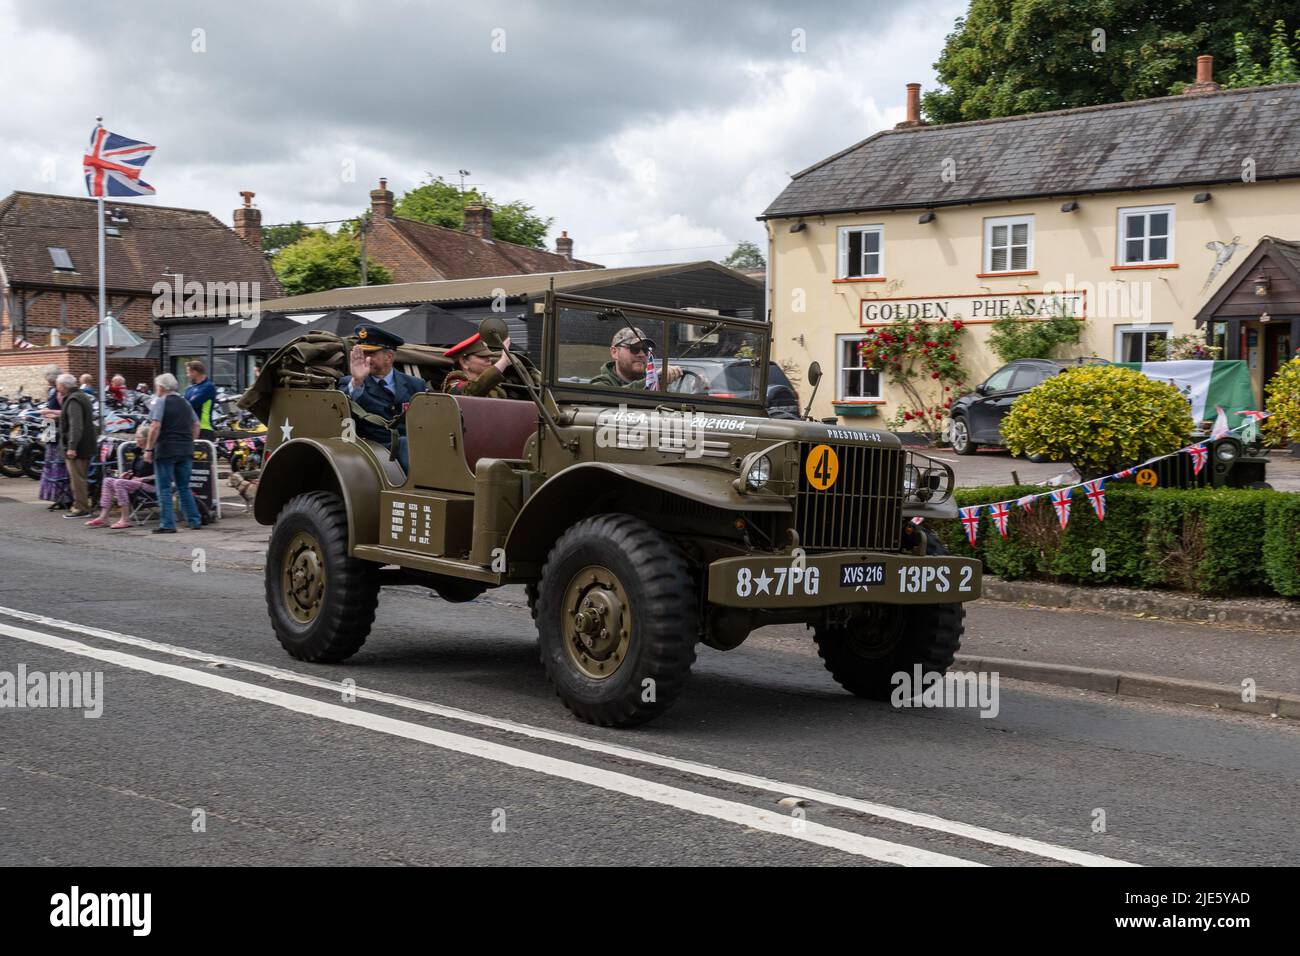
<point>1199,454</point>
<point>113,163</point>
<point>1001,514</point>
<point>970,519</point>
<point>1061,502</point>
<point>651,372</point>
<point>1027,502</point>
<point>1096,492</point>
<point>1124,474</point>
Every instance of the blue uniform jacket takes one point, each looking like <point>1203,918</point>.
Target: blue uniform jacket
<point>375,398</point>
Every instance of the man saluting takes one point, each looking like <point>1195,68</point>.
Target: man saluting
<point>378,387</point>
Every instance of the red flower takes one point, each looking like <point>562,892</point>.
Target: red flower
<point>952,358</point>
<point>957,324</point>
<point>930,345</point>
<point>934,374</point>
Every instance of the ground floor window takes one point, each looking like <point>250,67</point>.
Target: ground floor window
<point>224,371</point>
<point>854,381</point>
<point>1133,343</point>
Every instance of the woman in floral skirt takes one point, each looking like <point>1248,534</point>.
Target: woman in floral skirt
<point>56,487</point>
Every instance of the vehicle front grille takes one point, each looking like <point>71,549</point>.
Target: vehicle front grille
<point>861,510</point>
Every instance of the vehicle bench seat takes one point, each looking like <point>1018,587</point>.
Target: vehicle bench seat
<point>495,427</point>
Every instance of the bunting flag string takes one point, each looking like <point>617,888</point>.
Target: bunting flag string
<point>1199,454</point>
<point>1061,502</point>
<point>1027,502</point>
<point>970,518</point>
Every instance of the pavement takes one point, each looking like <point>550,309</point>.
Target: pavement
<point>440,741</point>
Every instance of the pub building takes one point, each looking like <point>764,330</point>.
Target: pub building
<point>1146,220</point>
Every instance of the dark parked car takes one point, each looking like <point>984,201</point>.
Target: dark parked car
<point>977,417</point>
<point>736,378</point>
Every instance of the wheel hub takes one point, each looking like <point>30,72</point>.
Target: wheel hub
<point>303,577</point>
<point>597,627</point>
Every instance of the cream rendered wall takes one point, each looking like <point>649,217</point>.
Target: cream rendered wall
<point>944,258</point>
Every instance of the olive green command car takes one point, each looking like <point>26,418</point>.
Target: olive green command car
<point>641,520</point>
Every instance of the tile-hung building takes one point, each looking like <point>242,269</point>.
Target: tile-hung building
<point>1132,215</point>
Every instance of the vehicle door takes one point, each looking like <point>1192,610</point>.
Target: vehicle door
<point>985,414</point>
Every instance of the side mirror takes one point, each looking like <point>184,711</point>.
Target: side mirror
<point>814,373</point>
<point>981,389</point>
<point>493,330</point>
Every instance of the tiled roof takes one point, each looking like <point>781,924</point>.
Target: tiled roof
<point>1171,141</point>
<point>190,242</point>
<point>455,253</point>
<point>471,290</point>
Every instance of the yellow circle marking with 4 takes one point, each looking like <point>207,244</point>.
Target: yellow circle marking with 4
<point>1147,478</point>
<point>822,467</point>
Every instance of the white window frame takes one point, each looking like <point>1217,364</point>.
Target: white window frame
<point>1009,222</point>
<point>842,257</point>
<point>1121,330</point>
<point>1121,233</point>
<point>840,368</point>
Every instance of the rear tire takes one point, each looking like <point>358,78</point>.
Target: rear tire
<point>960,435</point>
<point>888,638</point>
<point>33,461</point>
<point>11,465</point>
<point>321,601</point>
<point>618,618</point>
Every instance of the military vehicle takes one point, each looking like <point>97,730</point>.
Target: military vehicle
<point>640,521</point>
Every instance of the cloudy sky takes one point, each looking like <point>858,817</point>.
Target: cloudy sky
<point>651,131</point>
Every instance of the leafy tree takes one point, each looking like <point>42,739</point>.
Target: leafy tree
<point>323,260</point>
<point>441,203</point>
<point>1281,66</point>
<point>1013,339</point>
<point>746,255</point>
<point>1007,57</point>
<point>275,238</point>
<point>1099,418</point>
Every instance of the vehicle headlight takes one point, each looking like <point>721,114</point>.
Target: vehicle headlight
<point>759,472</point>
<point>1226,451</point>
<point>925,479</point>
<point>912,479</point>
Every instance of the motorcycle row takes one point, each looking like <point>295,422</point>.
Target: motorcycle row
<point>24,433</point>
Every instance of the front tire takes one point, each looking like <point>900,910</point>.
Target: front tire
<point>618,618</point>
<point>321,601</point>
<point>11,464</point>
<point>884,639</point>
<point>961,442</point>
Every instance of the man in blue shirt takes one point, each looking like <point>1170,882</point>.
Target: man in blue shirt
<point>378,387</point>
<point>202,396</point>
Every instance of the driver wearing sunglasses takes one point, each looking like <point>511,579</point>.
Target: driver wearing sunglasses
<point>627,360</point>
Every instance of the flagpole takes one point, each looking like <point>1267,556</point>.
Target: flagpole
<point>99,337</point>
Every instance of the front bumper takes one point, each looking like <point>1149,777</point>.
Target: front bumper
<point>842,577</point>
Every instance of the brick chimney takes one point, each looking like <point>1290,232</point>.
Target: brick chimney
<point>381,201</point>
<point>564,246</point>
<point>478,220</point>
<point>913,108</point>
<point>248,221</point>
<point>1204,76</point>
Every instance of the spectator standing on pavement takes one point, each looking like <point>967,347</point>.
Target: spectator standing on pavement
<point>202,396</point>
<point>170,448</point>
<point>76,441</point>
<point>55,486</point>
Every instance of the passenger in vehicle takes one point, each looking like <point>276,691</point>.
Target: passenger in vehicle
<point>377,387</point>
<point>626,367</point>
<point>475,373</point>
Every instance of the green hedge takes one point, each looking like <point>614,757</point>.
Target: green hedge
<point>1220,541</point>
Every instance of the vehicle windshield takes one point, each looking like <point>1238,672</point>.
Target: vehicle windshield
<point>605,350</point>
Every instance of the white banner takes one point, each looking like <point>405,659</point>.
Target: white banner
<point>982,307</point>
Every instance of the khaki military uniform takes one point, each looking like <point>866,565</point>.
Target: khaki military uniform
<point>488,385</point>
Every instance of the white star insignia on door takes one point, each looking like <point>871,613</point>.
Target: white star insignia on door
<point>286,431</point>
<point>762,581</point>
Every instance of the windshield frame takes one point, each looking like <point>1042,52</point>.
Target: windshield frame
<point>574,393</point>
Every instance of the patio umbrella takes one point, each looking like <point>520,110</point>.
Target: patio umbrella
<point>147,349</point>
<point>429,324</point>
<point>340,322</point>
<point>244,335</point>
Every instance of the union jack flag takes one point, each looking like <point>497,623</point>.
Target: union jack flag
<point>1061,502</point>
<point>1124,474</point>
<point>1096,492</point>
<point>970,518</point>
<point>1027,502</point>
<point>1001,514</point>
<point>1199,453</point>
<point>113,163</point>
<point>651,372</point>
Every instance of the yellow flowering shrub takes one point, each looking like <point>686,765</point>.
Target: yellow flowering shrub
<point>1100,418</point>
<point>1284,402</point>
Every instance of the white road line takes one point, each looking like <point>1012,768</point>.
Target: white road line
<point>912,818</point>
<point>729,811</point>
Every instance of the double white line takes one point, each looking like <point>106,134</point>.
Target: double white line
<point>741,814</point>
